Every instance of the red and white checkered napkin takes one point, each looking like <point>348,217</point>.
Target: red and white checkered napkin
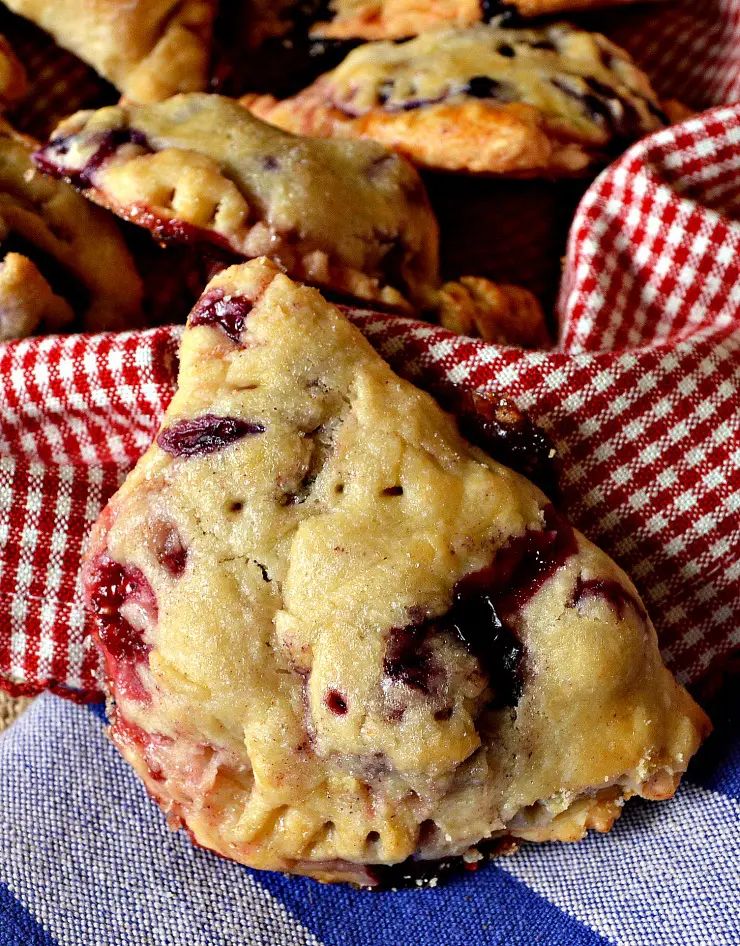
<point>642,399</point>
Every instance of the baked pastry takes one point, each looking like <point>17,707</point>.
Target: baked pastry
<point>487,100</point>
<point>399,19</point>
<point>76,248</point>
<point>348,216</point>
<point>339,636</point>
<point>148,49</point>
<point>27,301</point>
<point>13,78</point>
<point>496,312</point>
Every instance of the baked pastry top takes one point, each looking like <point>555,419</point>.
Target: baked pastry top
<point>349,216</point>
<point>73,252</point>
<point>148,49</point>
<point>337,635</point>
<point>399,19</point>
<point>486,99</point>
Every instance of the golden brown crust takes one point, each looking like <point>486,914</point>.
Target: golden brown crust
<point>201,167</point>
<point>52,217</point>
<point>148,49</point>
<point>399,19</point>
<point>496,312</point>
<point>323,717</point>
<point>485,100</point>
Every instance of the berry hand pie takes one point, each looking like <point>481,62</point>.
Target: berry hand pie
<point>399,19</point>
<point>65,258</point>
<point>339,637</point>
<point>148,49</point>
<point>548,101</point>
<point>348,216</point>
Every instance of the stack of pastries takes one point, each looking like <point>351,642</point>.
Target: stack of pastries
<point>339,639</point>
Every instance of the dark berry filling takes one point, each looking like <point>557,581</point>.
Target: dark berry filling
<point>409,659</point>
<point>205,434</point>
<point>336,703</point>
<point>111,586</point>
<point>618,598</point>
<point>483,87</point>
<point>480,603</point>
<point>107,144</point>
<point>509,436</point>
<point>229,313</point>
<point>604,105</point>
<point>169,548</point>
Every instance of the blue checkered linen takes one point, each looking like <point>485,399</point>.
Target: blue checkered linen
<point>86,859</point>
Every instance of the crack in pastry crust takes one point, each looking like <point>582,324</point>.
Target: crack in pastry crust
<point>347,216</point>
<point>148,49</point>
<point>338,636</point>
<point>486,99</point>
<point>399,19</point>
<point>75,249</point>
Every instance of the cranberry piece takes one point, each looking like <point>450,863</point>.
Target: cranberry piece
<point>113,585</point>
<point>229,313</point>
<point>169,548</point>
<point>611,591</point>
<point>335,702</point>
<point>205,434</point>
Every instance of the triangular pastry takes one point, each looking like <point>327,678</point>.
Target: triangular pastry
<point>339,637</point>
<point>148,49</point>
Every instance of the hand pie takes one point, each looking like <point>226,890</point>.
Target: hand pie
<point>348,216</point>
<point>399,19</point>
<point>487,100</point>
<point>338,636</point>
<point>72,252</point>
<point>148,49</point>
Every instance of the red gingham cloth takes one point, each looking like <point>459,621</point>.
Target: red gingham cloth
<point>642,398</point>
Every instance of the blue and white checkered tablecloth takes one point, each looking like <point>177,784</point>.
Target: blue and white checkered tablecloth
<point>87,860</point>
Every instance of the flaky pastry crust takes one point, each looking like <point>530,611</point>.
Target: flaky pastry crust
<point>339,636</point>
<point>46,219</point>
<point>349,216</point>
<point>148,49</point>
<point>486,100</point>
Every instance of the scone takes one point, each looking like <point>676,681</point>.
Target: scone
<point>148,49</point>
<point>338,636</point>
<point>73,253</point>
<point>487,100</point>
<point>13,78</point>
<point>348,216</point>
<point>398,19</point>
